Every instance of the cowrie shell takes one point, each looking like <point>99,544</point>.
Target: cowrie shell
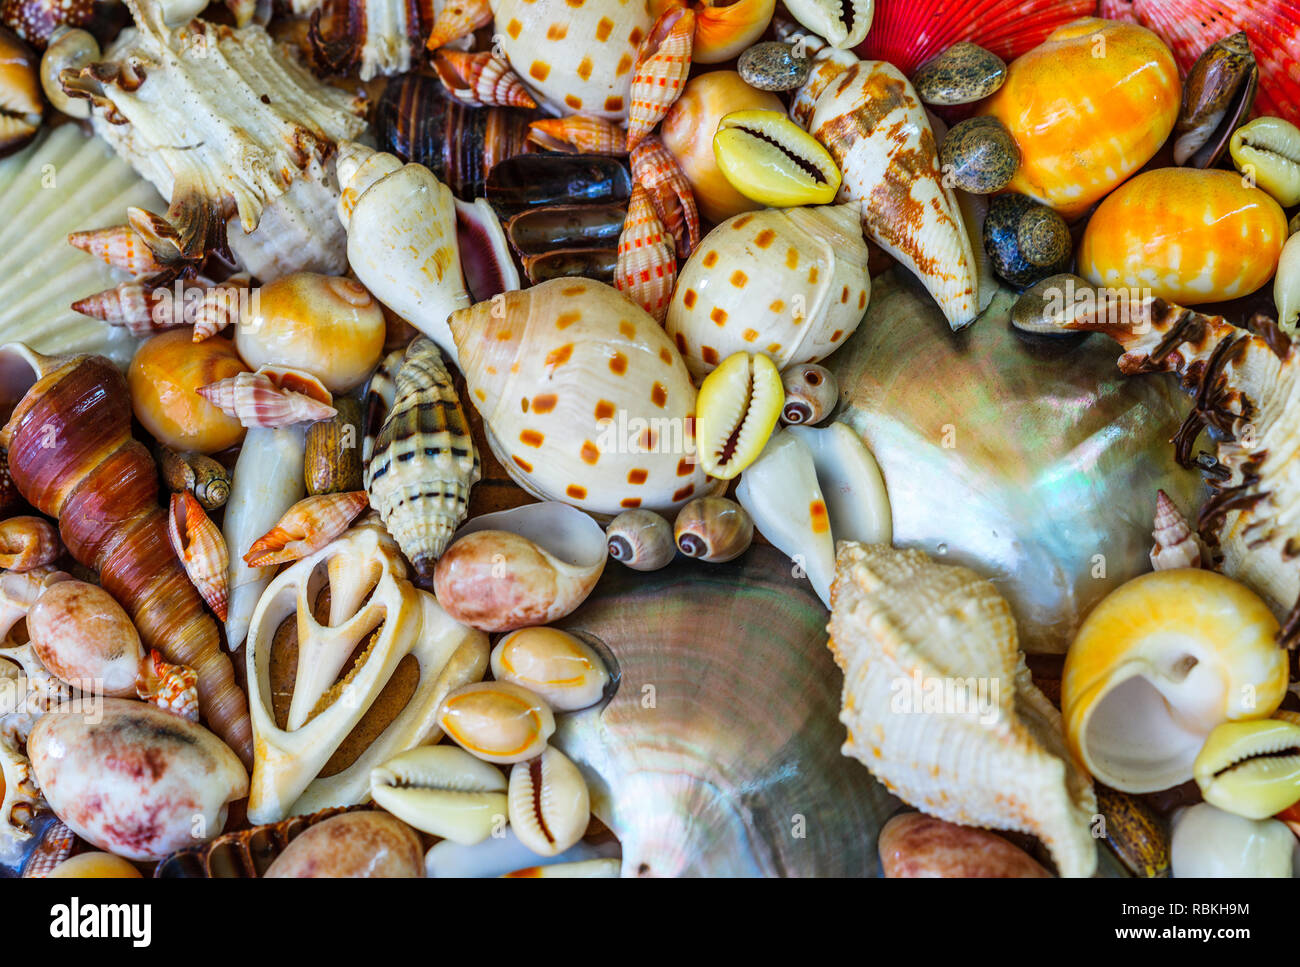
<point>442,790</point>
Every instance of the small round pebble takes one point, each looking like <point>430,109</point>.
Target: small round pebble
<point>963,73</point>
<point>773,66</point>
<point>1002,239</point>
<point>980,155</point>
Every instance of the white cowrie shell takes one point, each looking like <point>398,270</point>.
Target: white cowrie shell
<point>497,721</point>
<point>442,790</point>
<point>1286,286</point>
<point>549,803</point>
<point>557,666</point>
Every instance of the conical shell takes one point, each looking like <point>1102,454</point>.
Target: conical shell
<point>481,79</point>
<point>305,528</point>
<point>663,64</point>
<point>791,283</point>
<point>875,127</point>
<point>1175,544</point>
<point>458,19</point>
<point>255,400</point>
<point>647,263</point>
<point>424,460</point>
<point>585,398</point>
<point>940,707</point>
<point>118,246</point>
<point>654,167</point>
<point>582,133</point>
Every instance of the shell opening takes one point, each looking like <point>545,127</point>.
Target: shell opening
<point>535,777</point>
<point>806,166</point>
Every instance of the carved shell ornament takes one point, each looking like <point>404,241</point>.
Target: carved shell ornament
<point>592,438</point>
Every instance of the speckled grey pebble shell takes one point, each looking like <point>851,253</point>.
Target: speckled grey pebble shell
<point>980,155</point>
<point>773,66</point>
<point>1002,239</point>
<point>963,73</point>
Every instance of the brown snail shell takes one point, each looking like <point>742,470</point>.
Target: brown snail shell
<point>641,540</point>
<point>1217,98</point>
<point>332,462</point>
<point>811,392</point>
<point>354,845</point>
<point>207,479</point>
<point>713,529</point>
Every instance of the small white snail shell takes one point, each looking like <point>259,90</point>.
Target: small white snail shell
<point>811,392</point>
<point>641,540</point>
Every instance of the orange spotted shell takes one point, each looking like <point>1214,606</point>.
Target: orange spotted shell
<point>585,399</point>
<point>791,283</point>
<point>578,55</point>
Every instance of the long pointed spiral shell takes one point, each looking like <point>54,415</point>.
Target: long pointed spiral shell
<point>1175,543</point>
<point>647,265</point>
<point>663,63</point>
<point>458,19</point>
<point>201,549</point>
<point>119,246</point>
<point>308,526</point>
<point>128,304</point>
<point>583,133</point>
<point>654,166</point>
<point>481,79</point>
<point>73,458</point>
<point>255,400</point>
<point>424,460</point>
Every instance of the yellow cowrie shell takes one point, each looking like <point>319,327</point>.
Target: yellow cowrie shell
<point>769,158</point>
<point>1286,285</point>
<point>736,411</point>
<point>497,721</point>
<point>549,803</point>
<point>1250,768</point>
<point>1268,149</point>
<point>560,668</point>
<point>442,790</point>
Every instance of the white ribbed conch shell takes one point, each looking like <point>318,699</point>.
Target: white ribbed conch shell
<point>1176,545</point>
<point>910,633</point>
<point>788,282</point>
<point>371,602</point>
<point>578,56</point>
<point>585,398</point>
<point>401,224</point>
<point>870,119</point>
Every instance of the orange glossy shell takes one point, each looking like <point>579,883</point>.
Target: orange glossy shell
<point>164,376</point>
<point>688,131</point>
<point>1088,107</point>
<point>1190,236</point>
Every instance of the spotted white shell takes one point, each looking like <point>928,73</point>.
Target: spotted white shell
<point>577,54</point>
<point>585,399</point>
<point>791,283</point>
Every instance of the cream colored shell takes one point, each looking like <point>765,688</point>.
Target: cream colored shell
<point>577,54</point>
<point>907,631</point>
<point>791,283</point>
<point>585,399</point>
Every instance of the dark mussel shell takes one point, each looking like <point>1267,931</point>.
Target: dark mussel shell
<point>1135,832</point>
<point>539,230</point>
<point>590,263</point>
<point>1218,96</point>
<point>415,120</point>
<point>552,178</point>
<point>245,853</point>
<point>50,844</point>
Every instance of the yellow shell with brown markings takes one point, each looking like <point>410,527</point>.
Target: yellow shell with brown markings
<point>791,283</point>
<point>585,398</point>
<point>578,55</point>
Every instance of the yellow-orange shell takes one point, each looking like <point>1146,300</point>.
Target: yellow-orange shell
<point>164,379</point>
<point>94,866</point>
<point>586,399</point>
<point>328,326</point>
<point>688,130</point>
<point>1189,235</point>
<point>1157,665</point>
<point>724,30</point>
<point>1088,107</point>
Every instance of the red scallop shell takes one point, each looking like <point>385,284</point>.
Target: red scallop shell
<point>907,33</point>
<point>1190,26</point>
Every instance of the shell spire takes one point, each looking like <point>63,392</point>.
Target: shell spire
<point>306,527</point>
<point>458,19</point>
<point>131,305</point>
<point>647,267</point>
<point>1176,545</point>
<point>119,246</point>
<point>424,461</point>
<point>581,133</point>
<point>481,79</point>
<point>663,63</point>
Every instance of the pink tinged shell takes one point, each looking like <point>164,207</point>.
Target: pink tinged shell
<point>28,542</point>
<point>654,167</point>
<point>81,634</point>
<point>485,258</point>
<point>307,527</point>
<point>220,306</point>
<point>1273,26</point>
<point>457,19</point>
<point>663,63</point>
<point>135,780</point>
<point>917,846</point>
<point>481,79</point>
<point>1176,545</point>
<point>120,246</point>
<point>255,399</point>
<point>131,305</point>
<point>172,688</point>
<point>201,549</point>
<point>647,267</point>
<point>581,133</point>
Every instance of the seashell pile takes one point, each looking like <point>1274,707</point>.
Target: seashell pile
<point>586,438</point>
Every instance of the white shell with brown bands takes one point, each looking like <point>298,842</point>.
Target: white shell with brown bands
<point>424,461</point>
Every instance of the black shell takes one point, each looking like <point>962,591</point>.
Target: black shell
<point>554,178</point>
<point>1017,228</point>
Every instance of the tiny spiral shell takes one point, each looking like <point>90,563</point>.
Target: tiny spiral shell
<point>1175,544</point>
<point>130,305</point>
<point>173,688</point>
<point>220,307</point>
<point>28,542</point>
<point>306,527</point>
<point>713,529</point>
<point>119,246</point>
<point>811,392</point>
<point>457,19</point>
<point>641,540</point>
<point>201,549</point>
<point>198,473</point>
<point>481,79</point>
